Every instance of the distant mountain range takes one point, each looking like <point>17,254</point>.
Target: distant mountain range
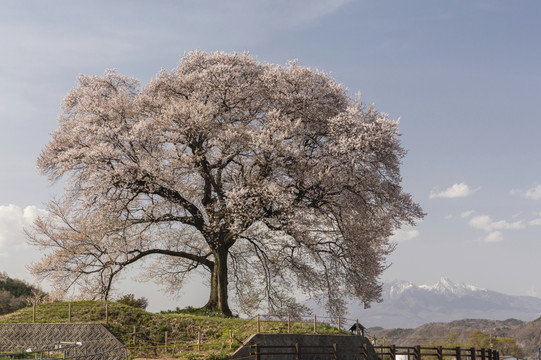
<point>406,305</point>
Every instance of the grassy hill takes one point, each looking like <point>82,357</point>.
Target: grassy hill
<point>183,330</point>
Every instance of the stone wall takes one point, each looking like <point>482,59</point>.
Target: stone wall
<point>95,338</point>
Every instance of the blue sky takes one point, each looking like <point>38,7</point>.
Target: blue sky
<point>464,77</point>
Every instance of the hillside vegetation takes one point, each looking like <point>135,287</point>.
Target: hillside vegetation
<point>14,294</point>
<point>183,329</point>
<point>510,337</point>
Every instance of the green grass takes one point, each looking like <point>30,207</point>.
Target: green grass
<point>183,327</point>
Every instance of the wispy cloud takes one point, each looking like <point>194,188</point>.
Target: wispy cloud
<point>484,222</point>
<point>534,193</point>
<point>495,229</point>
<point>495,236</point>
<point>454,191</point>
<point>466,214</point>
<point>404,235</point>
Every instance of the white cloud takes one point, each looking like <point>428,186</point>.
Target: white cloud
<point>481,222</point>
<point>495,236</point>
<point>466,214</point>
<point>455,191</point>
<point>484,222</point>
<point>495,229</point>
<point>404,235</point>
<point>533,193</point>
<point>12,221</point>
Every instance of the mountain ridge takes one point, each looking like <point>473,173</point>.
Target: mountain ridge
<point>407,305</point>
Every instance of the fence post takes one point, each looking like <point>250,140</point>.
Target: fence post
<point>473,354</point>
<point>335,351</point>
<point>199,339</point>
<point>288,323</point>
<point>392,350</point>
<point>458,353</point>
<point>365,351</point>
<point>107,313</point>
<point>258,324</point>
<point>134,332</point>
<point>315,326</point>
<point>69,312</point>
<point>440,352</point>
<point>230,339</point>
<point>298,351</point>
<point>483,355</point>
<point>339,324</point>
<point>257,355</point>
<point>166,341</point>
<point>417,352</point>
<point>357,327</point>
<point>489,351</point>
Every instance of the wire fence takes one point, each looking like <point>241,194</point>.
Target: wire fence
<point>104,312</point>
<point>68,312</point>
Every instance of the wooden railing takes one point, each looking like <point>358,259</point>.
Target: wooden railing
<point>391,352</point>
<point>438,352</point>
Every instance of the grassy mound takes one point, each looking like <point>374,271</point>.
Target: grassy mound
<point>189,334</point>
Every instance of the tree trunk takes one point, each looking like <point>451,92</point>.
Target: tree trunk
<point>218,283</point>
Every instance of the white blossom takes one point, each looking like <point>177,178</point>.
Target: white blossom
<point>269,177</point>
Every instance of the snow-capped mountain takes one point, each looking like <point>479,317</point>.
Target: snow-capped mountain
<point>406,305</point>
<point>447,287</point>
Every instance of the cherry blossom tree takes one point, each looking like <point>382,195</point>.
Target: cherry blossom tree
<point>271,178</point>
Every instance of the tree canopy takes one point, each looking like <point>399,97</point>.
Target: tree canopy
<point>15,294</point>
<point>270,178</point>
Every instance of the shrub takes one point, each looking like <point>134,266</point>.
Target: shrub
<point>130,300</point>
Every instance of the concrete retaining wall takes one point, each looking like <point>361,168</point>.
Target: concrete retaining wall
<point>349,347</point>
<point>95,338</point>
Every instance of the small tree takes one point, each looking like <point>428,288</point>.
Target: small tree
<point>267,176</point>
<point>130,300</point>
